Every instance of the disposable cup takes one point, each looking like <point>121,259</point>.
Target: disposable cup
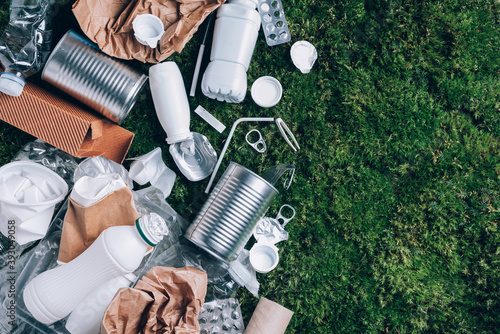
<point>30,214</point>
<point>264,257</point>
<point>148,29</point>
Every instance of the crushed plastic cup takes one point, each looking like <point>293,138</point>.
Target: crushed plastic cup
<point>264,257</point>
<point>148,29</point>
<point>28,195</point>
<point>303,55</point>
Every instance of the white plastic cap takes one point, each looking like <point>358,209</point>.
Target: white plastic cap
<point>266,91</point>
<point>11,84</point>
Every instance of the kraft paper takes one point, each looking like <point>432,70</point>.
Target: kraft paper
<point>166,300</point>
<point>109,24</point>
<point>82,225</point>
<point>269,318</point>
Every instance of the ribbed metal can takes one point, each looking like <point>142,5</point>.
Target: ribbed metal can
<point>79,68</point>
<point>226,221</point>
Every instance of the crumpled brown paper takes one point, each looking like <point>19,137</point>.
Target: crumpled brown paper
<point>109,24</point>
<point>82,225</point>
<point>166,300</point>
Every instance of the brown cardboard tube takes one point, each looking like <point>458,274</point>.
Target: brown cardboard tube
<point>269,318</point>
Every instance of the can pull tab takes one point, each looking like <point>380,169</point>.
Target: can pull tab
<point>281,218</point>
<point>259,145</point>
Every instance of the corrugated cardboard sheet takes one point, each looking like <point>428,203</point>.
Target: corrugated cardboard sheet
<point>68,127</point>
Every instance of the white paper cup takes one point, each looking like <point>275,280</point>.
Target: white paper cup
<point>264,257</point>
<point>148,29</point>
<point>31,216</point>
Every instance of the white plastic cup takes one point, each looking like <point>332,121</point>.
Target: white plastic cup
<point>148,29</point>
<point>32,214</point>
<point>170,100</point>
<point>264,257</point>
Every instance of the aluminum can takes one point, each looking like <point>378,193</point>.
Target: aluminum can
<point>79,68</point>
<point>226,221</point>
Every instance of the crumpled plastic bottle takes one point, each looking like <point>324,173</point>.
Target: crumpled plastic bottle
<point>25,43</point>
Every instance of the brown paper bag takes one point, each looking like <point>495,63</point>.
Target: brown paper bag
<point>166,300</point>
<point>109,24</point>
<point>82,225</point>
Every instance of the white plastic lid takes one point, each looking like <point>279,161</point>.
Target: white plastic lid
<point>11,84</point>
<point>266,91</point>
<point>303,55</point>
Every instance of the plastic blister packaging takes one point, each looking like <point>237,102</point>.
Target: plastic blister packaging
<point>221,316</point>
<point>274,22</point>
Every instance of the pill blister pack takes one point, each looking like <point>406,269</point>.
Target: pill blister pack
<point>273,22</point>
<point>221,317</point>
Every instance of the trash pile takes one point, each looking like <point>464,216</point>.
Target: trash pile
<point>81,250</point>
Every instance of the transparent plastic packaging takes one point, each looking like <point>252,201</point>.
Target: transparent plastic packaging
<point>274,22</point>
<point>25,43</point>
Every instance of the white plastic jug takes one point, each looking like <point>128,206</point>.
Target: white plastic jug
<point>235,34</point>
<point>117,251</point>
<point>86,318</point>
<point>170,100</point>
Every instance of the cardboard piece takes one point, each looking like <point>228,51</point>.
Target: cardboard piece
<point>109,24</point>
<point>269,318</point>
<point>166,300</point>
<point>82,225</point>
<point>71,128</point>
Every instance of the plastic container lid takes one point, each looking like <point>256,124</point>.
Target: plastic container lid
<point>266,91</point>
<point>11,84</point>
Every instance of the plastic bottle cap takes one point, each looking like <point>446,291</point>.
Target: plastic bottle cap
<point>11,84</point>
<point>266,91</point>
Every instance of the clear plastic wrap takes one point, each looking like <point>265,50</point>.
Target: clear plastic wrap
<point>25,43</point>
<point>13,257</point>
<point>173,251</point>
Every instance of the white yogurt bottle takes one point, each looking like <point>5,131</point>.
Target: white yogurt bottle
<point>170,100</point>
<point>117,251</point>
<point>235,34</point>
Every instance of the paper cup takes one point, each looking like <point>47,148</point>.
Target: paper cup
<point>27,215</point>
<point>264,257</point>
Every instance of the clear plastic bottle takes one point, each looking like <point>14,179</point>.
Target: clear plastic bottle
<point>117,251</point>
<point>25,43</point>
<point>235,34</point>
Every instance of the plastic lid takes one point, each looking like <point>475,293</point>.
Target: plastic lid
<point>266,91</point>
<point>11,84</point>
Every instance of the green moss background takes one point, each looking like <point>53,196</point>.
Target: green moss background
<point>397,186</point>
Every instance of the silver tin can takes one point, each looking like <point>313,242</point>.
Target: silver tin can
<point>79,68</point>
<point>226,221</point>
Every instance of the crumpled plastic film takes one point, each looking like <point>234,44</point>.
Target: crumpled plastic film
<point>109,24</point>
<point>151,168</point>
<point>96,166</point>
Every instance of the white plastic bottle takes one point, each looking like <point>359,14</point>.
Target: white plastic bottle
<point>235,34</point>
<point>170,100</point>
<point>117,251</point>
<point>86,318</point>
